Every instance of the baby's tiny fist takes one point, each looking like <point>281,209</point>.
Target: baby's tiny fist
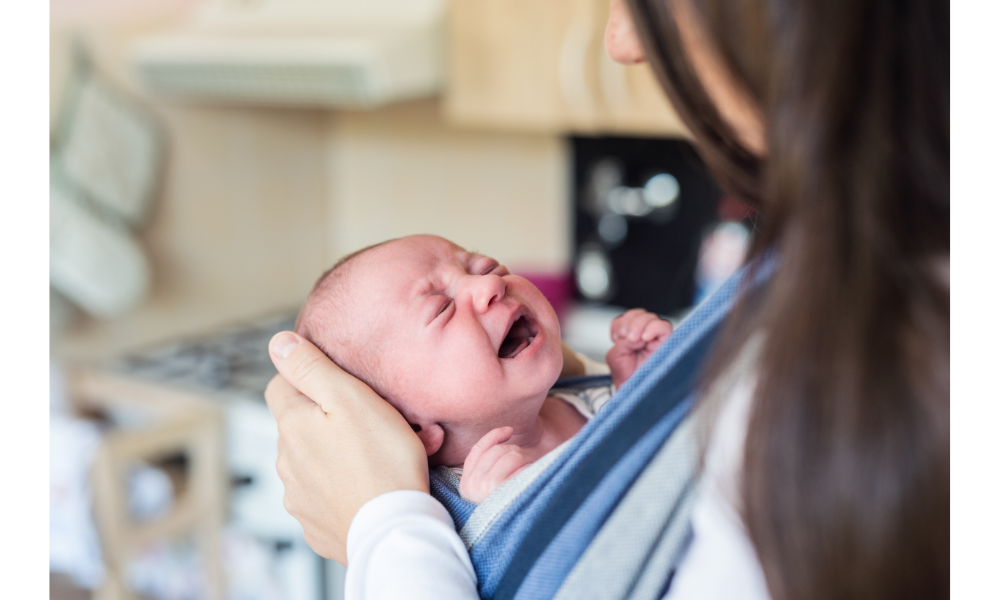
<point>636,335</point>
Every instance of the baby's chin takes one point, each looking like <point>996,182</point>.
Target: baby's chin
<point>553,364</point>
<point>520,407</point>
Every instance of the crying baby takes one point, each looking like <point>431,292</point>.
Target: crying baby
<point>465,350</point>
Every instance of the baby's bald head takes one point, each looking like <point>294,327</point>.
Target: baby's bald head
<point>337,318</point>
<point>450,338</point>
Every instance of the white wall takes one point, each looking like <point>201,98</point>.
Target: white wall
<point>400,171</point>
<point>239,228</point>
<point>257,202</point>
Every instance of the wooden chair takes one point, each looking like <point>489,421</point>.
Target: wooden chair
<point>174,421</point>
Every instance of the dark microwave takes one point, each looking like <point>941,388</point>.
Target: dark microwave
<point>642,209</point>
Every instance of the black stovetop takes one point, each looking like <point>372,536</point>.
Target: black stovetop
<point>234,359</point>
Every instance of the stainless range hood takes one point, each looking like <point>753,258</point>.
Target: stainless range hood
<point>320,53</point>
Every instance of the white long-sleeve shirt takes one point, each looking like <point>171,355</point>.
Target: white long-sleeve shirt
<point>721,562</point>
<point>404,545</point>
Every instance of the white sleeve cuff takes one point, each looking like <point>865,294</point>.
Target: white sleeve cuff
<point>403,544</point>
<point>401,503</point>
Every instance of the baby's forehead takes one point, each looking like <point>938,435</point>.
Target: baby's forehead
<point>409,259</point>
<point>397,271</point>
<point>425,246</point>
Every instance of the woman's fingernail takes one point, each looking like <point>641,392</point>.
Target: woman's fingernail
<point>283,343</point>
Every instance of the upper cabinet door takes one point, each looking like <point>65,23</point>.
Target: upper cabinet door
<point>540,65</point>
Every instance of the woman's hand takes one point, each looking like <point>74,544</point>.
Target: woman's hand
<point>339,443</point>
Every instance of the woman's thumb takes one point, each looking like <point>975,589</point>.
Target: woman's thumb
<point>307,369</point>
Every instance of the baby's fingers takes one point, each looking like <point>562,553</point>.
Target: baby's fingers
<point>508,465</point>
<point>490,440</point>
<point>494,467</point>
<point>624,326</point>
<point>657,329</point>
<point>638,325</point>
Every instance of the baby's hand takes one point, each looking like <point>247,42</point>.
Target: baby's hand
<point>636,334</point>
<point>490,463</point>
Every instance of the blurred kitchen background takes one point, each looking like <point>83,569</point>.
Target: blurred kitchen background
<point>210,158</point>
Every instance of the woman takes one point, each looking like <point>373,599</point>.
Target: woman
<point>828,473</point>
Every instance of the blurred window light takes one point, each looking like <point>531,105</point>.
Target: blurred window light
<point>661,190</point>
<point>723,250</point>
<point>612,228</point>
<point>594,274</point>
<point>605,176</point>
<point>628,201</point>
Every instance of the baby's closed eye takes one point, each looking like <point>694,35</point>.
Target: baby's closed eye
<point>489,266</point>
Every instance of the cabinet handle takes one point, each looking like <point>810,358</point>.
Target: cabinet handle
<point>573,64</point>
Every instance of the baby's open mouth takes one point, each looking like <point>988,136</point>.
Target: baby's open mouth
<point>521,333</point>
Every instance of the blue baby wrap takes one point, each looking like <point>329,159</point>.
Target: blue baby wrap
<point>529,550</point>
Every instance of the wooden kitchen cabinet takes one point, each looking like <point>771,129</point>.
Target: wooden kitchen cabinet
<point>541,66</point>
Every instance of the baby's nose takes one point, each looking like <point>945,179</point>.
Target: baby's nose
<point>487,289</point>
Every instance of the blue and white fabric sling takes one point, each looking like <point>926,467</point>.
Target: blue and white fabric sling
<point>605,515</point>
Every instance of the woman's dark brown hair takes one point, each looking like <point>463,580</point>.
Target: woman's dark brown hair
<point>846,472</point>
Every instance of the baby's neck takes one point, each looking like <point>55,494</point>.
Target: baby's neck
<point>555,423</point>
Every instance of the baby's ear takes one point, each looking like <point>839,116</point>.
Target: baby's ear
<point>432,436</point>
